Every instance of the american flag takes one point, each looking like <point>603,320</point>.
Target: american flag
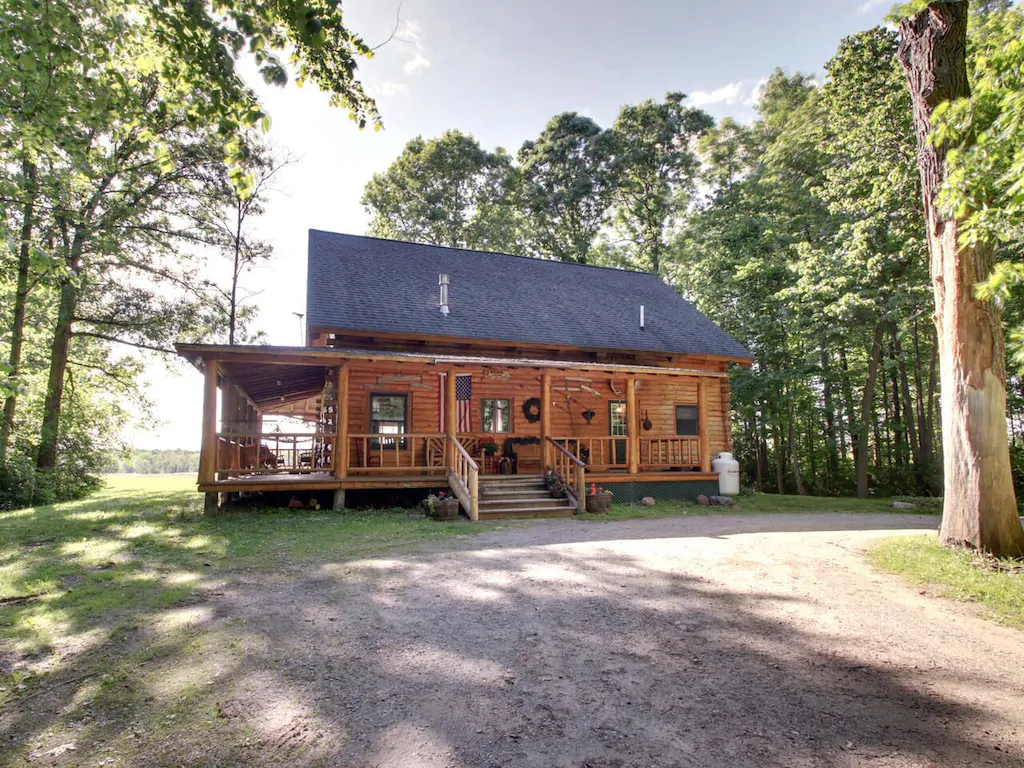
<point>463,399</point>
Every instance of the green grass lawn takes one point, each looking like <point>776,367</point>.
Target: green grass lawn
<point>997,586</point>
<point>76,569</point>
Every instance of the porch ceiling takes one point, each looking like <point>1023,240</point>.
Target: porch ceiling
<point>270,386</point>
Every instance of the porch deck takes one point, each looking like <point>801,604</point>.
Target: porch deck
<point>325,481</point>
<point>319,481</point>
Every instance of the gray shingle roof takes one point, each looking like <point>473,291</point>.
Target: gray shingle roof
<point>370,284</point>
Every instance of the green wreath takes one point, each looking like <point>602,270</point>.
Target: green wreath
<point>531,410</point>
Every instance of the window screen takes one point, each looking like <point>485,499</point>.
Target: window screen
<point>686,420</point>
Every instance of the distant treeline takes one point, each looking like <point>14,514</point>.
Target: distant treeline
<point>155,462</point>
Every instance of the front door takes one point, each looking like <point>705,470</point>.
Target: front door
<point>618,426</point>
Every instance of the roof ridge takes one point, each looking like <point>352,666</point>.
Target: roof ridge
<point>494,253</point>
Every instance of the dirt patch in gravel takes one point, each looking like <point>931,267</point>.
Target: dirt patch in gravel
<point>712,641</point>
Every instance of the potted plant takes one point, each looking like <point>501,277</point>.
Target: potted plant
<point>555,484</point>
<point>441,506</point>
<point>599,499</point>
<point>489,448</point>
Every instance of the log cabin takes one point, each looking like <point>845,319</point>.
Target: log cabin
<point>429,367</point>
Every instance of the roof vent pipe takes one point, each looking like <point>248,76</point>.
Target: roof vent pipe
<point>442,280</point>
<point>641,317</point>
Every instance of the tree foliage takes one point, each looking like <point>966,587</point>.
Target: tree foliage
<point>445,191</point>
<point>119,124</point>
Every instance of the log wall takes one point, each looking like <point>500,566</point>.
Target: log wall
<point>656,400</point>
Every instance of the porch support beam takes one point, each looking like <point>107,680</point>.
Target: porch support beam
<point>340,452</point>
<point>208,445</point>
<point>545,420</point>
<point>451,416</point>
<point>702,425</point>
<point>632,427</point>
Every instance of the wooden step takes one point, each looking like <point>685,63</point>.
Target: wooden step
<point>513,490</point>
<point>499,514</point>
<point>544,501</point>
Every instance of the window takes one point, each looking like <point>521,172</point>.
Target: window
<point>388,417</point>
<point>617,418</point>
<point>686,420</point>
<point>497,416</point>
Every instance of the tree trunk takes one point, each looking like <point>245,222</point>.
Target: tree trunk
<point>792,447</point>
<point>851,417</point>
<point>831,450</point>
<point>867,413</point>
<point>28,170</point>
<point>49,432</point>
<point>236,271</point>
<point>980,509</point>
<point>780,472</point>
<point>913,436</point>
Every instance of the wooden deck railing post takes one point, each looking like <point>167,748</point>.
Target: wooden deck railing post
<point>474,494</point>
<point>545,420</point>
<point>451,415</point>
<point>702,425</point>
<point>581,488</point>
<point>208,446</point>
<point>340,453</point>
<point>632,427</point>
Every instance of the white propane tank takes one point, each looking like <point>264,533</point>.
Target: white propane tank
<point>728,470</point>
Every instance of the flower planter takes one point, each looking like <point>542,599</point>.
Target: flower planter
<point>599,502</point>
<point>446,509</point>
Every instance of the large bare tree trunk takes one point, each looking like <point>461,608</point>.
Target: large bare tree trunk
<point>980,509</point>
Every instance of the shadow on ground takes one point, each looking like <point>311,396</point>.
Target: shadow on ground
<point>551,645</point>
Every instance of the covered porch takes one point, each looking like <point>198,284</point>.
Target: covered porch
<point>363,419</point>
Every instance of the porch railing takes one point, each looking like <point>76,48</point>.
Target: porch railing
<point>255,453</point>
<point>573,472</point>
<point>464,479</point>
<point>383,453</point>
<point>658,452</point>
<point>601,452</point>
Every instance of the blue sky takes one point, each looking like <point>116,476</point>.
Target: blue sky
<point>500,71</point>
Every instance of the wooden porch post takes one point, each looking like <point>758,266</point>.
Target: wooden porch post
<point>545,421</point>
<point>340,452</point>
<point>702,424</point>
<point>632,436</point>
<point>451,416</point>
<point>208,446</point>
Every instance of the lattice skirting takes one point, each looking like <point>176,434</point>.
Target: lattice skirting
<point>631,492</point>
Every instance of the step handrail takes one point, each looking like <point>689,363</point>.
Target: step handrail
<point>574,470</point>
<point>464,479</point>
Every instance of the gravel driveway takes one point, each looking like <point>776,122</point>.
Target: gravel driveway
<point>713,641</point>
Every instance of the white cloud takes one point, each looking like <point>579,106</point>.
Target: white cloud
<point>731,93</point>
<point>417,63</point>
<point>756,93</point>
<point>410,33</point>
<point>869,5</point>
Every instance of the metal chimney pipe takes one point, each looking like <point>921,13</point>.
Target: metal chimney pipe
<point>442,280</point>
<point>641,317</point>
